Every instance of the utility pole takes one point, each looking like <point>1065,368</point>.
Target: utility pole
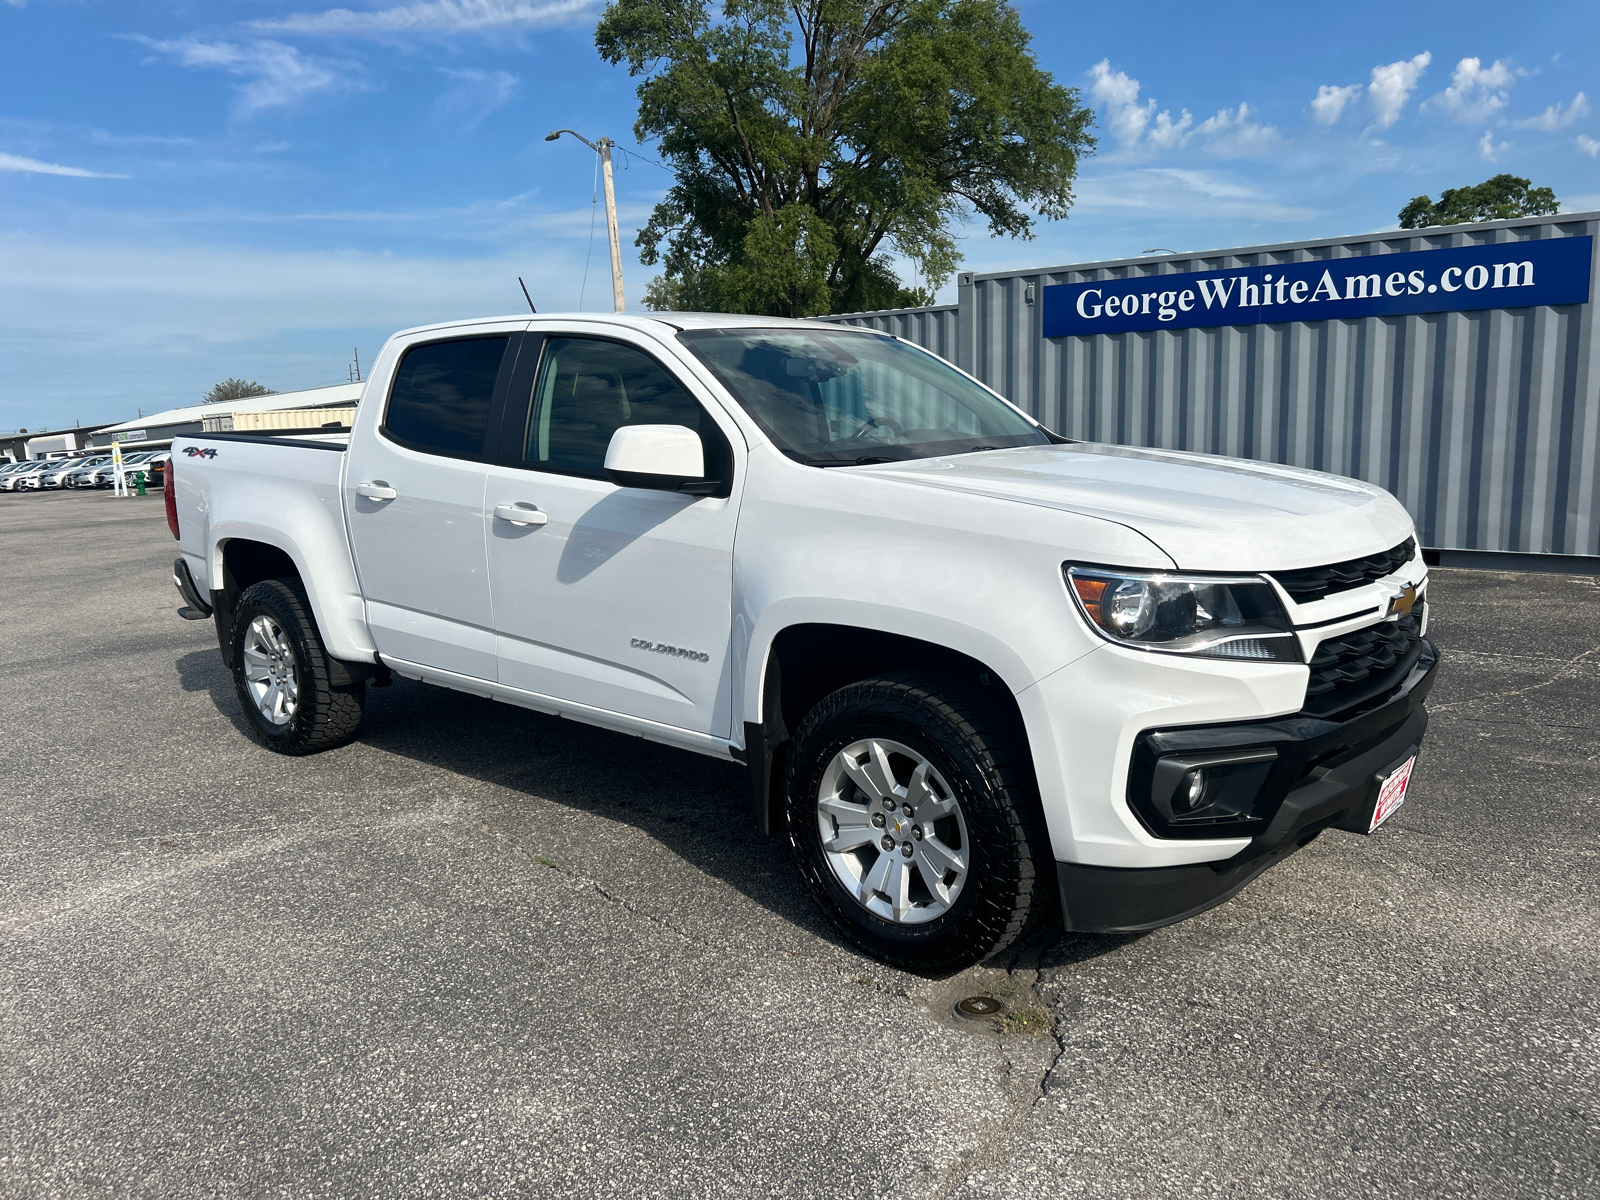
<point>603,149</point>
<point>617,301</point>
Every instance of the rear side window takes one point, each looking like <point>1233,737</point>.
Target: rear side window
<point>587,389</point>
<point>442,393</point>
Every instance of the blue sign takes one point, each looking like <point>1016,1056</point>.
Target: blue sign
<point>1504,275</point>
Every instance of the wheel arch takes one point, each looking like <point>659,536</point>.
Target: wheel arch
<point>807,661</point>
<point>240,561</point>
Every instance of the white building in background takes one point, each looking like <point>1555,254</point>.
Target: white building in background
<point>57,443</point>
<point>322,406</point>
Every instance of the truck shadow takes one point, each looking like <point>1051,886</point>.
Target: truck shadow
<point>696,807</point>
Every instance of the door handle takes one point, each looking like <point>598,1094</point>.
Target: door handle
<point>376,490</point>
<point>520,513</point>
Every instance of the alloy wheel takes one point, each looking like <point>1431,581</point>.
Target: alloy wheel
<point>893,831</point>
<point>270,670</point>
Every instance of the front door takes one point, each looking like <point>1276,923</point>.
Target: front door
<point>414,499</point>
<point>621,599</point>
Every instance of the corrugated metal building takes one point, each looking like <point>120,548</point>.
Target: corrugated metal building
<point>1485,423</point>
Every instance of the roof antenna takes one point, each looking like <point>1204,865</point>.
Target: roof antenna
<point>527,297</point>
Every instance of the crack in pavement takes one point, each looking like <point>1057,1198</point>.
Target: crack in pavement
<point>1533,687</point>
<point>1000,1141</point>
<point>594,885</point>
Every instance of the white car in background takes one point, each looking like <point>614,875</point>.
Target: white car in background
<point>55,476</point>
<point>12,468</point>
<point>27,477</point>
<point>105,474</point>
<point>83,469</point>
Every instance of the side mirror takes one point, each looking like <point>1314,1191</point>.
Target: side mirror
<point>665,458</point>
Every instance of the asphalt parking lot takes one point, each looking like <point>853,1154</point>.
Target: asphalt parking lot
<point>485,952</point>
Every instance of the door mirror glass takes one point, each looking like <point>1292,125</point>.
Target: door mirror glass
<point>667,458</point>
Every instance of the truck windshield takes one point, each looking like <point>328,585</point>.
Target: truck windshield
<point>847,399</point>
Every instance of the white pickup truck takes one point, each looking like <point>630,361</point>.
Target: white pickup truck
<point>983,677</point>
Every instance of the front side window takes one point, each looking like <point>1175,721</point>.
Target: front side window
<point>442,393</point>
<point>844,399</point>
<point>587,389</point>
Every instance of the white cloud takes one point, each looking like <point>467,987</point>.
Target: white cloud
<point>1231,134</point>
<point>1587,145</point>
<point>1329,102</point>
<point>1558,116</point>
<point>431,17</point>
<point>1476,93</point>
<point>143,294</point>
<point>1167,133</point>
<point>101,138</point>
<point>1392,86</point>
<point>475,96</point>
<point>1132,122</point>
<point>32,166</point>
<point>1488,148</point>
<point>1118,96</point>
<point>274,75</point>
<point>1184,194</point>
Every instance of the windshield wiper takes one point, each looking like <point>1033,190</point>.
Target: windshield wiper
<point>866,460</point>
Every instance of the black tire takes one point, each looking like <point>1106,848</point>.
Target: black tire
<point>324,716</point>
<point>1010,884</point>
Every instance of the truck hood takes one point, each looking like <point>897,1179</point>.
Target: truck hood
<point>1208,513</point>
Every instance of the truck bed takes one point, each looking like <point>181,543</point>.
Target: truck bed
<point>277,491</point>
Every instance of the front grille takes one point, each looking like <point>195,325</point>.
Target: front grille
<point>1313,583</point>
<point>1364,667</point>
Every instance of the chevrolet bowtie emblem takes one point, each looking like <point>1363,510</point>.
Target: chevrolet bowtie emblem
<point>1402,604</point>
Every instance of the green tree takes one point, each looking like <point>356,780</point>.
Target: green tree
<point>811,137</point>
<point>1497,199</point>
<point>235,389</point>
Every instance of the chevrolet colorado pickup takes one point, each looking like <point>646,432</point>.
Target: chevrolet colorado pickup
<point>982,677</point>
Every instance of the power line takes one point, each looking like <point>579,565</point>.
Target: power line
<point>642,158</point>
<point>594,193</point>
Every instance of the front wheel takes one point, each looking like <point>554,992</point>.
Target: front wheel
<point>281,672</point>
<point>915,823</point>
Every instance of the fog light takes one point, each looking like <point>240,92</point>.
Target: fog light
<point>1205,788</point>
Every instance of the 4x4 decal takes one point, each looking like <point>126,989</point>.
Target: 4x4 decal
<point>200,451</point>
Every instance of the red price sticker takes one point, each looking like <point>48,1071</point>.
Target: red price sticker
<point>1392,793</point>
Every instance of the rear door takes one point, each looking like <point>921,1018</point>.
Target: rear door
<point>622,599</point>
<point>414,493</point>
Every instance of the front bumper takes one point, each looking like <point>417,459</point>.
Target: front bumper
<point>1326,776</point>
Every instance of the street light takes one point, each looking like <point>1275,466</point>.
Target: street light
<point>603,149</point>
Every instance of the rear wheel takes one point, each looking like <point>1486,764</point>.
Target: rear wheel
<point>281,672</point>
<point>915,823</point>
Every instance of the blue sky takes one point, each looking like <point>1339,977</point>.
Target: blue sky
<point>189,191</point>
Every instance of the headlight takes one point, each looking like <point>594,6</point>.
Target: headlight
<point>1205,616</point>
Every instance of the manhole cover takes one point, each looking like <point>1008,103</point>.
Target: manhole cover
<point>979,1008</point>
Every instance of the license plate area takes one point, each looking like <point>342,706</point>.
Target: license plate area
<point>1393,785</point>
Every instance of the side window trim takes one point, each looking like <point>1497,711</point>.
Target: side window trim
<point>519,412</point>
<point>497,400</point>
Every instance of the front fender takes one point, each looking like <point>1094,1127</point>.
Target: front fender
<point>974,574</point>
